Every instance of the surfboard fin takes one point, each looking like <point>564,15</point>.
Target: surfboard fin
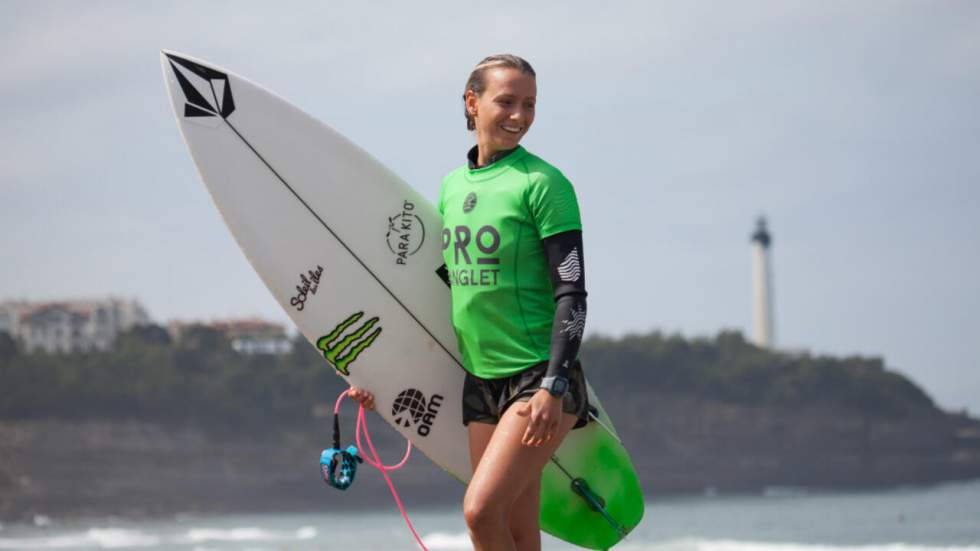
<point>596,503</point>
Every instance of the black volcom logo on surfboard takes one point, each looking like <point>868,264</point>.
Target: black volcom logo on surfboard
<point>207,92</point>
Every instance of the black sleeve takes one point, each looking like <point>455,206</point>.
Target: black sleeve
<point>567,270</point>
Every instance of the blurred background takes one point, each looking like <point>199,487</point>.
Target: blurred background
<point>853,128</point>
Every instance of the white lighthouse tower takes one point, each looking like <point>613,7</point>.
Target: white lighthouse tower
<point>763,331</point>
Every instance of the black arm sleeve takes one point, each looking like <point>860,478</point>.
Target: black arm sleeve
<point>567,270</point>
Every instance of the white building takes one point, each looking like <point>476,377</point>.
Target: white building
<point>65,327</point>
<point>254,336</point>
<point>10,312</point>
<point>246,336</point>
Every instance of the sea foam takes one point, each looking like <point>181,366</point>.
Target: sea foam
<point>444,541</point>
<point>105,538</point>
<point>696,544</point>
<point>203,535</point>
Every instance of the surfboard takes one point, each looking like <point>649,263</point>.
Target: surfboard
<point>352,254</point>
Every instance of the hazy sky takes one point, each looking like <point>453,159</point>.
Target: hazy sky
<point>853,126</point>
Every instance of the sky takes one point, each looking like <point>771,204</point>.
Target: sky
<point>854,127</point>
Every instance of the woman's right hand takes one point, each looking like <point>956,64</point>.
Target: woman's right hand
<point>362,396</point>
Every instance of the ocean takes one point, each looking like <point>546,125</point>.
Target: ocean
<point>937,518</point>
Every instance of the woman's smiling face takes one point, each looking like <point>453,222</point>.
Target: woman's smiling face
<point>503,113</point>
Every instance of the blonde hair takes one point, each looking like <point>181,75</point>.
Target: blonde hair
<point>478,82</point>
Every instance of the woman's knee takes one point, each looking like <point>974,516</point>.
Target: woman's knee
<point>482,514</point>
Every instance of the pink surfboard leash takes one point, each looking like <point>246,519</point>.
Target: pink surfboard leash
<point>375,461</point>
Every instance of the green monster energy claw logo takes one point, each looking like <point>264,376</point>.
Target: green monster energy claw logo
<point>332,350</point>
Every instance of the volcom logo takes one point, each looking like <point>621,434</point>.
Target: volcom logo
<point>469,202</point>
<point>411,410</point>
<point>206,91</point>
<point>406,233</point>
<point>333,349</point>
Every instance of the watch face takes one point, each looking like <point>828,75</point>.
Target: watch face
<point>559,386</point>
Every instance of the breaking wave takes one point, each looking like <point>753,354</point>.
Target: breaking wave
<point>696,544</point>
<point>115,538</point>
<point>105,538</point>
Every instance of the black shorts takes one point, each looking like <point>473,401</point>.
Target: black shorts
<point>485,400</point>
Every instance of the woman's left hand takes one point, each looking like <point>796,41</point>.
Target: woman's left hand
<point>545,413</point>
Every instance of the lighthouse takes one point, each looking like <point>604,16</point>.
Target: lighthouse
<point>763,331</point>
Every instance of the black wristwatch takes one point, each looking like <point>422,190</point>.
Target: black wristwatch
<point>556,386</point>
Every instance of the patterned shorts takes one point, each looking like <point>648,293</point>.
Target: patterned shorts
<point>485,400</point>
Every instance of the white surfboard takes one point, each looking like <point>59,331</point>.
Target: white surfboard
<point>352,253</point>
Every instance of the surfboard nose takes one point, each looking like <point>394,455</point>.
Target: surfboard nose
<point>205,90</point>
<point>166,57</point>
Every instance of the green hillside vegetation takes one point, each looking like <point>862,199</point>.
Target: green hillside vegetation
<point>729,369</point>
<point>202,381</point>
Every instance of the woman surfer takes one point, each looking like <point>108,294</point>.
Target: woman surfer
<point>512,243</point>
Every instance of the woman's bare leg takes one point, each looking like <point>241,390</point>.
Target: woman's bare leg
<point>525,528</point>
<point>525,517</point>
<point>480,434</point>
<point>504,470</point>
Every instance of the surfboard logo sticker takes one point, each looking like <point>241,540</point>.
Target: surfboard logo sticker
<point>341,352</point>
<point>406,233</point>
<point>306,288</point>
<point>411,409</point>
<point>206,91</point>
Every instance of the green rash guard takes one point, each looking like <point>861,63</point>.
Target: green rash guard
<point>494,221</point>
